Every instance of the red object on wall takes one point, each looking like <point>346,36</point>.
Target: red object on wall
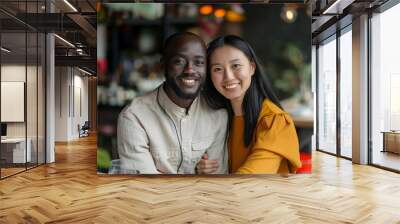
<point>101,67</point>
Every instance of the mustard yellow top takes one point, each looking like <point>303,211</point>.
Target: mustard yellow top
<point>274,149</point>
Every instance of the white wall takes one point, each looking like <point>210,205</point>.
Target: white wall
<point>61,103</point>
<point>80,94</point>
<point>70,84</point>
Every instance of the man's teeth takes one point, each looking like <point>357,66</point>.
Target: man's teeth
<point>231,86</point>
<point>188,81</point>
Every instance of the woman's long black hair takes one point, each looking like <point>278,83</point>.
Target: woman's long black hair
<point>259,90</point>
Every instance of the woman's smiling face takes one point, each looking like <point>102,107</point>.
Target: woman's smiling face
<point>231,72</point>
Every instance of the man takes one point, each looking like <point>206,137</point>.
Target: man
<point>170,129</point>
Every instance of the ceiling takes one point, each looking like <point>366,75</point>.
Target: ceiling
<point>331,15</point>
<point>76,26</point>
<point>79,27</point>
<point>39,6</point>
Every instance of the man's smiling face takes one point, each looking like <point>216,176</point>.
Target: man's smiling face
<point>185,66</point>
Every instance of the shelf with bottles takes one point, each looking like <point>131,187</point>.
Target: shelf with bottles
<point>130,69</point>
<point>114,95</point>
<point>137,46</point>
<point>133,76</point>
<point>136,33</point>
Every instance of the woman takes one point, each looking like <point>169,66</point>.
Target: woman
<point>262,137</point>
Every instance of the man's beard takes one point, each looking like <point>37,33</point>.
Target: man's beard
<point>177,90</point>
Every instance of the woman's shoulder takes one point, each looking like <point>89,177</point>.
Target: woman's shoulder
<point>271,113</point>
<point>270,108</point>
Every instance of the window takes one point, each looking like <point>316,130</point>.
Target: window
<point>346,93</point>
<point>22,74</point>
<point>385,88</point>
<point>327,95</point>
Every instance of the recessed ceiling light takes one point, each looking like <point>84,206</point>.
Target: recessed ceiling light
<point>337,7</point>
<point>86,72</point>
<point>5,50</point>
<point>70,5</point>
<point>64,40</point>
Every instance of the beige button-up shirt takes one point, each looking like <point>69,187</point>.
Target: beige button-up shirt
<point>157,136</point>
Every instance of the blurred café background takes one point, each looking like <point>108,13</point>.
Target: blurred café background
<point>130,38</point>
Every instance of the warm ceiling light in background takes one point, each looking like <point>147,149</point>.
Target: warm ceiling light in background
<point>235,13</point>
<point>70,5</point>
<point>289,13</point>
<point>232,16</point>
<point>5,50</point>
<point>64,40</point>
<point>219,13</point>
<point>206,9</point>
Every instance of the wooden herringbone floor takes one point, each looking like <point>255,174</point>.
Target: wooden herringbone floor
<point>70,191</point>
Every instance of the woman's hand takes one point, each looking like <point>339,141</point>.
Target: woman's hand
<point>206,166</point>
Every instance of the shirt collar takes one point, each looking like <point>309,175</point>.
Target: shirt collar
<point>171,107</point>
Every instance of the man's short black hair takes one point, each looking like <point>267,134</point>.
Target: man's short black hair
<point>168,42</point>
